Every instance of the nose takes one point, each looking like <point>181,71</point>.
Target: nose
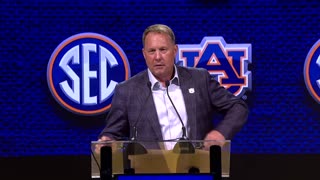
<point>157,55</point>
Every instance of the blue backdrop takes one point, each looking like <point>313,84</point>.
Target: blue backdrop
<point>284,119</point>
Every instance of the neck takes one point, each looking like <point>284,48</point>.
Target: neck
<point>163,80</point>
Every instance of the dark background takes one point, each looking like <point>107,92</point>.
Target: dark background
<point>281,139</point>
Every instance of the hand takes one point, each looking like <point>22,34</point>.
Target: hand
<point>99,145</point>
<point>105,138</point>
<point>215,137</point>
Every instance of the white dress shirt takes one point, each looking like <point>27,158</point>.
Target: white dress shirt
<point>171,126</point>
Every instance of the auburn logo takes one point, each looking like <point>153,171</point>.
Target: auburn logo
<point>228,63</point>
<point>83,72</point>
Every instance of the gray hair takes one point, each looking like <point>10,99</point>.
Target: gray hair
<point>159,28</point>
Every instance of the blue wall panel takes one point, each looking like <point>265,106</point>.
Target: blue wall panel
<point>284,119</point>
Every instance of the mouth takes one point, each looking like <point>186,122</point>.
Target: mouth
<point>159,65</point>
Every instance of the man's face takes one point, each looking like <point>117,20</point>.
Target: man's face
<point>159,52</point>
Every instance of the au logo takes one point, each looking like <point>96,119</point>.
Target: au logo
<point>83,71</point>
<point>312,71</point>
<point>228,63</point>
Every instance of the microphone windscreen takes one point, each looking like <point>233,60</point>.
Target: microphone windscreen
<point>167,83</point>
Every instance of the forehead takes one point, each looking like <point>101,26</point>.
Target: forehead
<point>157,38</point>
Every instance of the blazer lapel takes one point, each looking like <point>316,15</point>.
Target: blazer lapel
<point>189,95</point>
<point>149,112</point>
<point>152,117</point>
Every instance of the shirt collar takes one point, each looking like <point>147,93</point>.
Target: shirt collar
<point>155,84</point>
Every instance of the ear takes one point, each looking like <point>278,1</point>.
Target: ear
<point>143,53</point>
<point>175,50</point>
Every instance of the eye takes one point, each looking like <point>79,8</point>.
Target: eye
<point>163,50</point>
<point>151,51</point>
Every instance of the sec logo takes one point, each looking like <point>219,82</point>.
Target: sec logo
<point>83,71</point>
<point>312,71</point>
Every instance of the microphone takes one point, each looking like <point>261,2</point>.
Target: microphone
<point>183,146</point>
<point>184,131</point>
<point>134,148</point>
<point>134,132</point>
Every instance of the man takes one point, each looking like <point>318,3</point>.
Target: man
<point>145,104</point>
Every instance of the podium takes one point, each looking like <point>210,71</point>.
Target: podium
<point>115,159</point>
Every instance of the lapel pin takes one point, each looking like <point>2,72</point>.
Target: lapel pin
<point>191,90</point>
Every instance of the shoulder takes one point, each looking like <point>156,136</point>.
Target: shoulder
<point>135,81</point>
<point>192,71</point>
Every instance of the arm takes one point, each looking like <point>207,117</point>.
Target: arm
<point>116,122</point>
<point>235,111</point>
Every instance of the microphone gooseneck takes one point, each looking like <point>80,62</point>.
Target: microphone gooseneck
<point>134,147</point>
<point>183,146</point>
<point>184,131</point>
<point>134,133</point>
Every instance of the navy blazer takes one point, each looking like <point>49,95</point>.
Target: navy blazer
<point>133,105</point>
